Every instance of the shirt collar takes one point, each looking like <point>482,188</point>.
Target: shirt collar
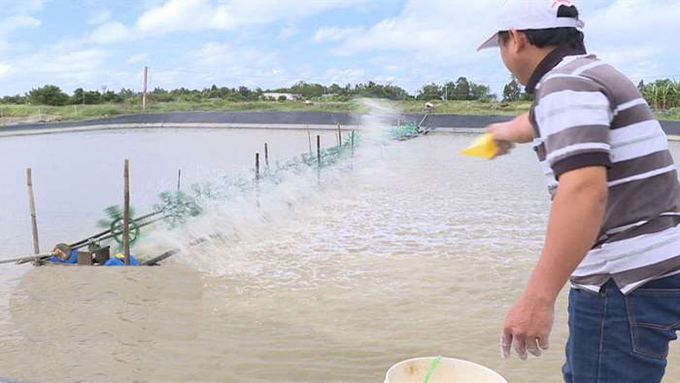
<point>550,61</point>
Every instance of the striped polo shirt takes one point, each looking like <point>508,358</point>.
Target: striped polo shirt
<point>586,113</point>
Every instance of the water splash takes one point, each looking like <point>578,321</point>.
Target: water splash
<point>273,230</point>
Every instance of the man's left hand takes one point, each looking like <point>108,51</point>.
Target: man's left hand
<point>527,327</point>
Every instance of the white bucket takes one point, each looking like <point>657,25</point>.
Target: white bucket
<point>448,370</point>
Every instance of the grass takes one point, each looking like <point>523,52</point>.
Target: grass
<point>10,113</point>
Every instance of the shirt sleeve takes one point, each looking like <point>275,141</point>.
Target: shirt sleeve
<point>574,116</point>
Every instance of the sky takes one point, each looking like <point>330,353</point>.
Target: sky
<point>103,44</point>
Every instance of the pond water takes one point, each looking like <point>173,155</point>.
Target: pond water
<point>405,250</point>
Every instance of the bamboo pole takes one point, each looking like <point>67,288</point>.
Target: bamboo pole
<point>352,144</point>
<point>257,166</point>
<point>318,156</point>
<point>126,214</point>
<point>34,220</point>
<point>309,136</point>
<point>266,155</point>
<point>318,150</point>
<point>23,260</point>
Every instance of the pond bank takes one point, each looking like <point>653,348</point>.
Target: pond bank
<point>266,120</point>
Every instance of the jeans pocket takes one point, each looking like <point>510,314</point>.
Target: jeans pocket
<point>654,317</point>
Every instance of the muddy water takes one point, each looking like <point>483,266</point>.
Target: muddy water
<point>413,252</point>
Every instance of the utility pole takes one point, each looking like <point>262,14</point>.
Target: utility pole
<point>146,82</point>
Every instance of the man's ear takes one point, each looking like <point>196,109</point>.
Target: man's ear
<point>518,40</point>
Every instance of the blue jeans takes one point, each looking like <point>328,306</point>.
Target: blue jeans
<point>622,339</point>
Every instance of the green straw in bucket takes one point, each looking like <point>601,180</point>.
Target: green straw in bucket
<point>430,370</point>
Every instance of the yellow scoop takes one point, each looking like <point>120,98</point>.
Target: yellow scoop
<point>483,146</point>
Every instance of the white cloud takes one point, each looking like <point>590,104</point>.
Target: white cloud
<point>5,69</point>
<point>636,35</point>
<point>452,31</point>
<point>16,22</point>
<point>22,6</point>
<point>111,32</point>
<point>69,62</point>
<point>100,18</point>
<point>336,34</point>
<point>69,69</point>
<point>346,76</point>
<point>220,56</point>
<point>183,15</point>
<point>137,58</point>
<point>12,24</point>
<point>287,33</point>
<point>178,15</point>
<point>226,64</point>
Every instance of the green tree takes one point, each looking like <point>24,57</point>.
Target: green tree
<point>512,91</point>
<point>307,90</point>
<point>92,97</point>
<point>374,90</point>
<point>462,89</point>
<point>48,95</point>
<point>430,92</point>
<point>480,92</point>
<point>336,89</point>
<point>449,90</point>
<point>78,96</point>
<point>245,93</point>
<point>127,94</point>
<point>16,99</point>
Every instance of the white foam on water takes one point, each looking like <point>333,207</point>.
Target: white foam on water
<point>275,233</point>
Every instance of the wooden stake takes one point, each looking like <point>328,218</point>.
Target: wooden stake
<point>266,155</point>
<point>318,156</point>
<point>318,150</point>
<point>352,144</point>
<point>179,179</point>
<point>257,166</point>
<point>309,135</point>
<point>339,136</point>
<point>126,214</point>
<point>34,220</point>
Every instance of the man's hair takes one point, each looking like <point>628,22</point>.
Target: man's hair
<point>63,247</point>
<point>552,36</point>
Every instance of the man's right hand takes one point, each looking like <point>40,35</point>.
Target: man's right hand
<point>501,137</point>
<point>506,134</point>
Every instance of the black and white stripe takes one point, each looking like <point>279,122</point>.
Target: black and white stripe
<point>587,113</point>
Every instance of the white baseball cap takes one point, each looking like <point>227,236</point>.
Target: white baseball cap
<point>531,14</point>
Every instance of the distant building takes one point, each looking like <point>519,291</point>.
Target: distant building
<point>278,96</point>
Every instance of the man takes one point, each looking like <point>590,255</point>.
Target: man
<point>62,253</point>
<point>613,230</point>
